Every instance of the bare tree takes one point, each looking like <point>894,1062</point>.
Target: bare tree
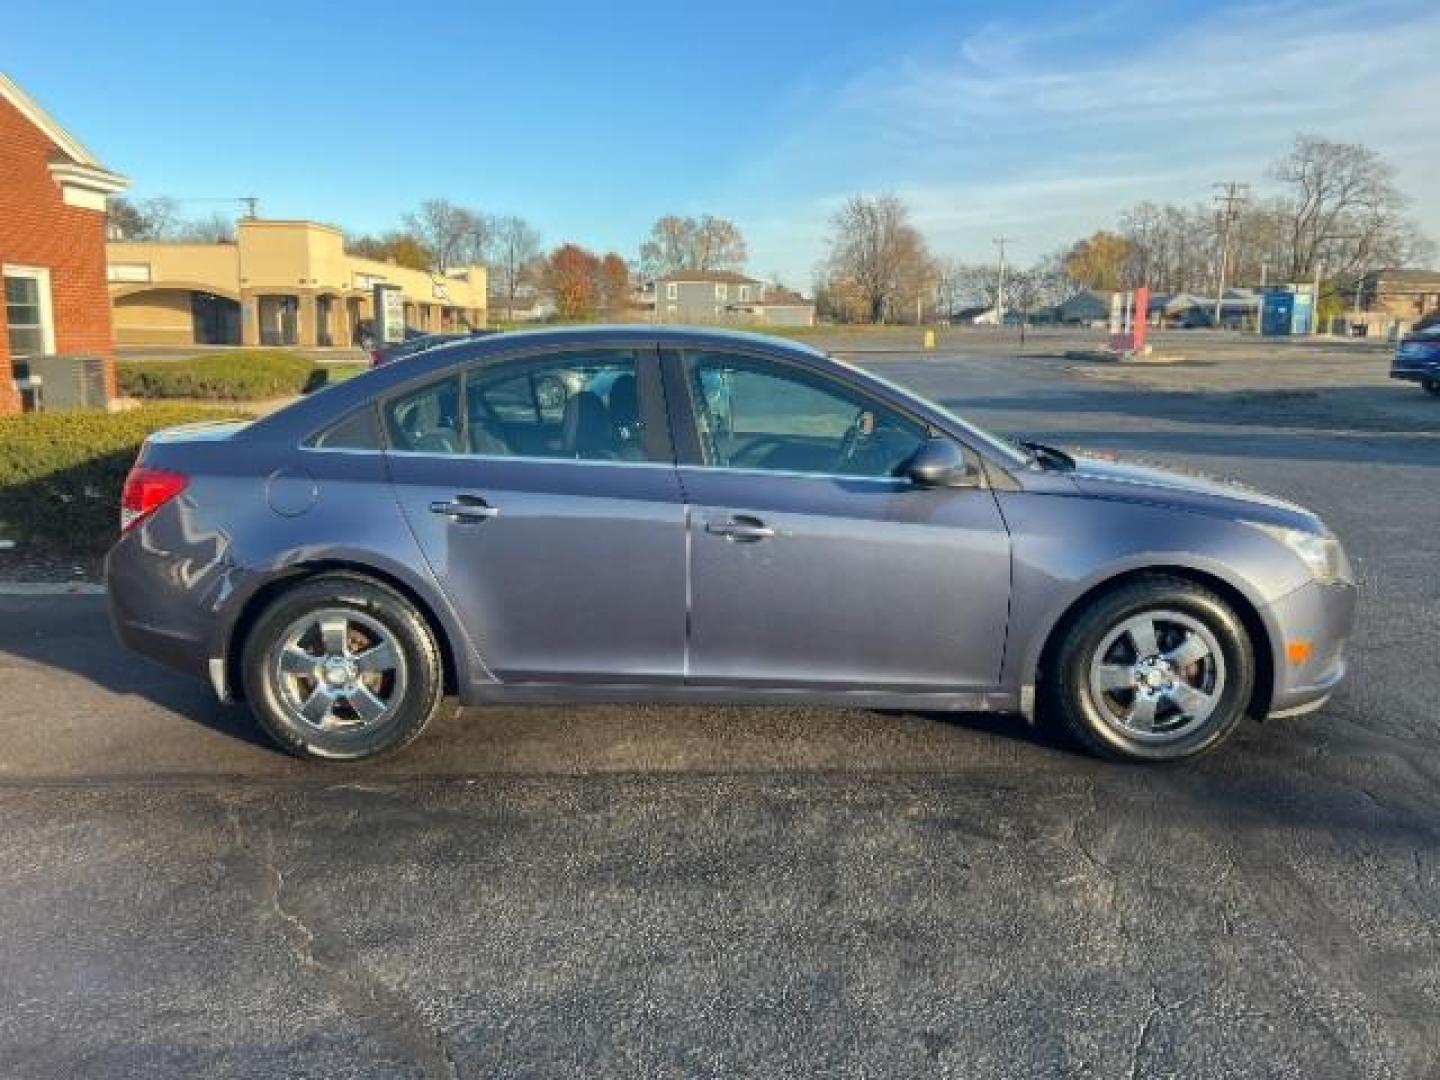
<point>875,247</point>
<point>687,243</point>
<point>215,228</point>
<point>1343,207</point>
<point>156,218</point>
<point>515,253</point>
<point>443,229</point>
<point>718,245</point>
<point>977,285</point>
<point>477,238</point>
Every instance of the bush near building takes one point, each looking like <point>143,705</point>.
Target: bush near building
<point>242,375</point>
<point>61,472</point>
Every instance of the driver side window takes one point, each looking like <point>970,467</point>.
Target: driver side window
<point>751,414</point>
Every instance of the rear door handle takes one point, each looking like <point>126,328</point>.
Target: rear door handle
<point>465,508</point>
<point>740,527</point>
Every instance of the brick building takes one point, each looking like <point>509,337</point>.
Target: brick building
<point>52,242</point>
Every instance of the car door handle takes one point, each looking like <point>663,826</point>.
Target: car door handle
<point>465,508</point>
<point>740,527</point>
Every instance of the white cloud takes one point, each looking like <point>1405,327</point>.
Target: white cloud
<point>1048,130</point>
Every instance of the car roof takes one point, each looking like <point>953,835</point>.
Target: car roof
<point>311,412</point>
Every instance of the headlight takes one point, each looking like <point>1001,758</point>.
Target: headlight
<point>1321,552</point>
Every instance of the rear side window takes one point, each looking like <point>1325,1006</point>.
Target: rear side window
<point>356,431</point>
<point>427,421</point>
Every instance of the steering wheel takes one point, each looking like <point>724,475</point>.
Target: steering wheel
<point>851,440</point>
<point>754,453</point>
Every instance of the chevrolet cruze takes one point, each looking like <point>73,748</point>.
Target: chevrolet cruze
<point>695,516</point>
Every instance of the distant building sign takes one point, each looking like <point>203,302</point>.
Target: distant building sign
<point>439,290</point>
<point>389,314</point>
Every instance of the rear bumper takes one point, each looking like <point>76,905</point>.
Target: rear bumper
<point>1417,375</point>
<point>1312,624</point>
<point>169,605</point>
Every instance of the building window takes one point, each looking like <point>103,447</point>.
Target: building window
<point>28,314</point>
<point>744,292</point>
<point>672,291</point>
<point>721,292</point>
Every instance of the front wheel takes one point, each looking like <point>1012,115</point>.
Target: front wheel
<point>1432,386</point>
<point>341,667</point>
<point>1157,669</point>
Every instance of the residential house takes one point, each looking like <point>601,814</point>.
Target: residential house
<point>724,296</point>
<point>52,244</point>
<point>1406,295</point>
<point>1088,307</point>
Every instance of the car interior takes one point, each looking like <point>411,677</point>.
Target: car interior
<point>758,419</point>
<point>584,412</point>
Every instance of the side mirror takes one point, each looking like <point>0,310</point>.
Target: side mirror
<point>941,463</point>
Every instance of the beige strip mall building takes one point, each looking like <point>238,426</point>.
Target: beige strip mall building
<point>278,283</point>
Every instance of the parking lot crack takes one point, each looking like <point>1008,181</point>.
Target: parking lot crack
<point>381,1009</point>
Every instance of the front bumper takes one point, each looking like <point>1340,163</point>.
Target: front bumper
<point>1311,627</point>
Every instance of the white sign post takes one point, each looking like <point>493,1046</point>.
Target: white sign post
<point>389,314</point>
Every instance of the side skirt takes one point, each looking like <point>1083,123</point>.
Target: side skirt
<point>534,693</point>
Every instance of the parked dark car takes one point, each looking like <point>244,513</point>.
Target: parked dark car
<point>1417,358</point>
<point>386,354</point>
<point>687,516</point>
<point>364,335</point>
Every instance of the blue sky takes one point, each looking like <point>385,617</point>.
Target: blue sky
<point>1040,121</point>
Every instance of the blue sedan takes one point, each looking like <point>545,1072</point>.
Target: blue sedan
<point>1418,358</point>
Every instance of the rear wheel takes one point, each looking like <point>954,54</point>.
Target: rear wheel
<point>342,667</point>
<point>1157,669</point>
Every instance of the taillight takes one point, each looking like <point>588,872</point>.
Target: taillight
<point>146,490</point>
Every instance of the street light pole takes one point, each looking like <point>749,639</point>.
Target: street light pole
<point>1315,299</point>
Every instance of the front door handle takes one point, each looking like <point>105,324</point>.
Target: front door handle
<point>465,508</point>
<point>740,527</point>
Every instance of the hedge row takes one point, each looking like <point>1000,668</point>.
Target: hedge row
<point>61,472</point>
<point>243,375</point>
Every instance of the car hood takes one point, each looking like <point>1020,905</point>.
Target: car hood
<point>1103,478</point>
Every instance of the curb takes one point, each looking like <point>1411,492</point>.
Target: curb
<point>51,588</point>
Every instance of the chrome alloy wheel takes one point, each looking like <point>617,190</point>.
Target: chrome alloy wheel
<point>337,670</point>
<point>1157,676</point>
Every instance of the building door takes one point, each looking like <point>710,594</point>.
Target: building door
<point>279,319</point>
<point>324,307</point>
<point>217,319</point>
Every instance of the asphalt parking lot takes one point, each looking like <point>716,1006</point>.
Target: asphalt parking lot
<point>767,892</point>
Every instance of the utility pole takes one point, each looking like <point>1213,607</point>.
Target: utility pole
<point>1260,304</point>
<point>1315,299</point>
<point>1000,283</point>
<point>1232,196</point>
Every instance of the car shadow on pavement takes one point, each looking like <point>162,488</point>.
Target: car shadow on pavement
<point>61,633</point>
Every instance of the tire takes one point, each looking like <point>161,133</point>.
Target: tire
<point>1432,386</point>
<point>1083,679</point>
<point>311,648</point>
